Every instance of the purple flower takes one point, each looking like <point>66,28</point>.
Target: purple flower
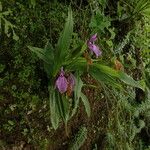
<point>93,38</point>
<point>71,81</point>
<point>94,48</point>
<point>71,84</point>
<point>61,82</point>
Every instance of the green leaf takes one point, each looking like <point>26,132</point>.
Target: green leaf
<point>129,80</point>
<point>103,3</point>
<point>77,93</point>
<point>77,64</point>
<point>49,53</point>
<point>119,9</point>
<point>63,106</point>
<point>140,5</point>
<point>65,39</point>
<point>146,12</point>
<point>33,3</point>
<point>78,87</point>
<point>40,53</point>
<point>62,48</point>
<point>2,67</point>
<point>107,70</point>
<point>54,112</point>
<point>78,51</point>
<point>99,22</point>
<point>102,74</point>
<point>15,37</point>
<point>86,104</point>
<point>109,76</point>
<point>65,101</point>
<point>11,122</point>
<point>79,139</point>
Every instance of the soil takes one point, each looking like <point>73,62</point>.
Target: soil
<point>58,140</point>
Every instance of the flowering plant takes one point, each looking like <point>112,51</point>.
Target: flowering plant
<point>64,68</point>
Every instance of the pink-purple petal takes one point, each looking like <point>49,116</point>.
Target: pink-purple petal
<point>61,82</point>
<point>95,49</point>
<point>71,81</point>
<point>93,38</point>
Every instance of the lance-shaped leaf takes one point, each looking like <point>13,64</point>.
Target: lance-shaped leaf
<point>63,107</point>
<point>108,75</point>
<point>62,48</point>
<point>103,76</point>
<point>47,55</point>
<point>86,104</point>
<point>54,110</point>
<point>129,80</point>
<point>65,39</point>
<point>78,51</point>
<point>40,53</point>
<point>120,75</point>
<point>77,93</point>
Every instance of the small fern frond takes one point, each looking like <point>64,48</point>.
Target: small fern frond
<point>79,139</point>
<point>121,45</point>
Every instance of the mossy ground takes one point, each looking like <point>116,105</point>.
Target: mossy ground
<point>24,105</point>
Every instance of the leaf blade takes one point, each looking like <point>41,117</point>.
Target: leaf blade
<point>54,112</point>
<point>86,104</point>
